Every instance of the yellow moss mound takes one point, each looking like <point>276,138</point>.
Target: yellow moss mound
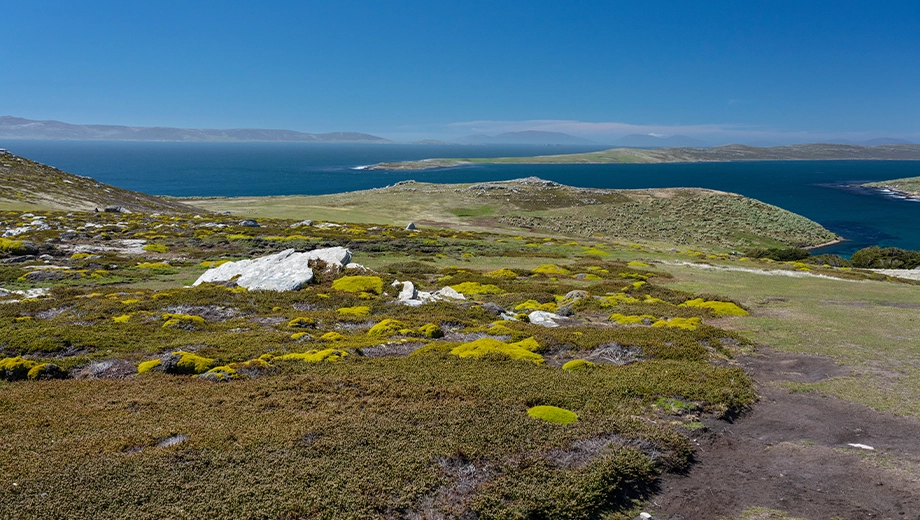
<point>430,330</point>
<point>719,308</point>
<point>637,264</point>
<point>577,364</point>
<point>474,288</point>
<point>182,321</point>
<point>681,323</point>
<point>387,327</point>
<point>503,273</point>
<point>192,363</point>
<point>359,311</point>
<point>357,284</point>
<point>623,319</point>
<point>16,247</point>
<point>147,366</point>
<point>332,336</point>
<point>522,350</point>
<point>553,414</point>
<point>551,269</point>
<point>301,323</point>
<point>153,265</point>
<point>315,356</point>
<point>15,368</point>
<point>534,305</point>
<point>156,248</point>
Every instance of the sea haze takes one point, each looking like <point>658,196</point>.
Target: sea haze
<point>820,190</point>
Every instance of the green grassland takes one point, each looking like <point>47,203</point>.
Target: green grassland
<point>686,217</point>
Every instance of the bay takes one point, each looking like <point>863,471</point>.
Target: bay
<point>820,190</point>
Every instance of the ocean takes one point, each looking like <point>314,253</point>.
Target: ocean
<point>820,190</point>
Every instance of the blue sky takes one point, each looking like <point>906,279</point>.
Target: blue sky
<point>766,71</point>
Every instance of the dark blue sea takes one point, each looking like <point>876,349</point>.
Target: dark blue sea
<point>820,190</point>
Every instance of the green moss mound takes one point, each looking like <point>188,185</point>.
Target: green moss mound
<point>189,363</point>
<point>430,330</point>
<point>46,371</point>
<point>553,414</point>
<point>147,366</point>
<point>156,248</point>
<point>551,269</point>
<point>358,311</point>
<point>476,288</point>
<point>632,319</point>
<point>182,321</point>
<point>719,308</point>
<point>387,327</point>
<point>302,322</point>
<point>358,284</point>
<point>315,356</point>
<point>522,350</point>
<point>576,365</point>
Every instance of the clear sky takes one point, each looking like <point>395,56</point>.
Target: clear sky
<point>743,71</point>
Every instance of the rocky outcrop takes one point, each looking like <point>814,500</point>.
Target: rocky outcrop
<point>409,295</point>
<point>284,271</point>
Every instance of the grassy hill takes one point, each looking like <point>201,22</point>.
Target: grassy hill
<point>28,185</point>
<point>908,186</point>
<point>727,153</point>
<point>680,216</point>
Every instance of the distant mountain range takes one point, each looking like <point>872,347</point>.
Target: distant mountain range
<point>659,141</point>
<point>19,128</point>
<point>525,137</point>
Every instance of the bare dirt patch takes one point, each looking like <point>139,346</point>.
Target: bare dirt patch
<point>794,452</point>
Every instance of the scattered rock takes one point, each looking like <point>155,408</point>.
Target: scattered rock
<point>302,223</point>
<point>447,293</point>
<point>248,223</point>
<point>106,369</point>
<point>49,371</point>
<point>115,209</point>
<point>357,267</point>
<point>172,440</point>
<point>493,308</point>
<point>576,295</point>
<point>284,271</point>
<point>411,227</point>
<point>565,311</point>
<point>861,446</point>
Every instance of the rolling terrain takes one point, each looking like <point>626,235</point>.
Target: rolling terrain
<point>682,381</point>
<point>727,153</point>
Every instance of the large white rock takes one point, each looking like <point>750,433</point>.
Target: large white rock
<point>408,292</point>
<point>284,271</point>
<point>546,319</point>
<point>448,293</point>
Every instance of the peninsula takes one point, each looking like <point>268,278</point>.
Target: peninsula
<point>727,153</point>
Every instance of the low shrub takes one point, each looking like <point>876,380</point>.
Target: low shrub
<point>358,311</point>
<point>156,248</point>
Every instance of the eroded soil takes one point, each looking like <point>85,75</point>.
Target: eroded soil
<point>792,452</point>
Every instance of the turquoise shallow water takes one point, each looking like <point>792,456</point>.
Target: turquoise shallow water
<point>817,189</point>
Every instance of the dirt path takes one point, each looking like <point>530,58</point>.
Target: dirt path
<point>792,453</point>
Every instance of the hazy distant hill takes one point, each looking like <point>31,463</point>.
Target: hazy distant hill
<point>19,128</point>
<point>654,141</point>
<point>525,137</point>
<point>872,142</point>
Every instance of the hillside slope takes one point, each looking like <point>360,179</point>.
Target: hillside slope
<point>678,216</point>
<point>29,185</point>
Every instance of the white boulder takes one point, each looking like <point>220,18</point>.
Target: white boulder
<point>284,271</point>
<point>546,319</point>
